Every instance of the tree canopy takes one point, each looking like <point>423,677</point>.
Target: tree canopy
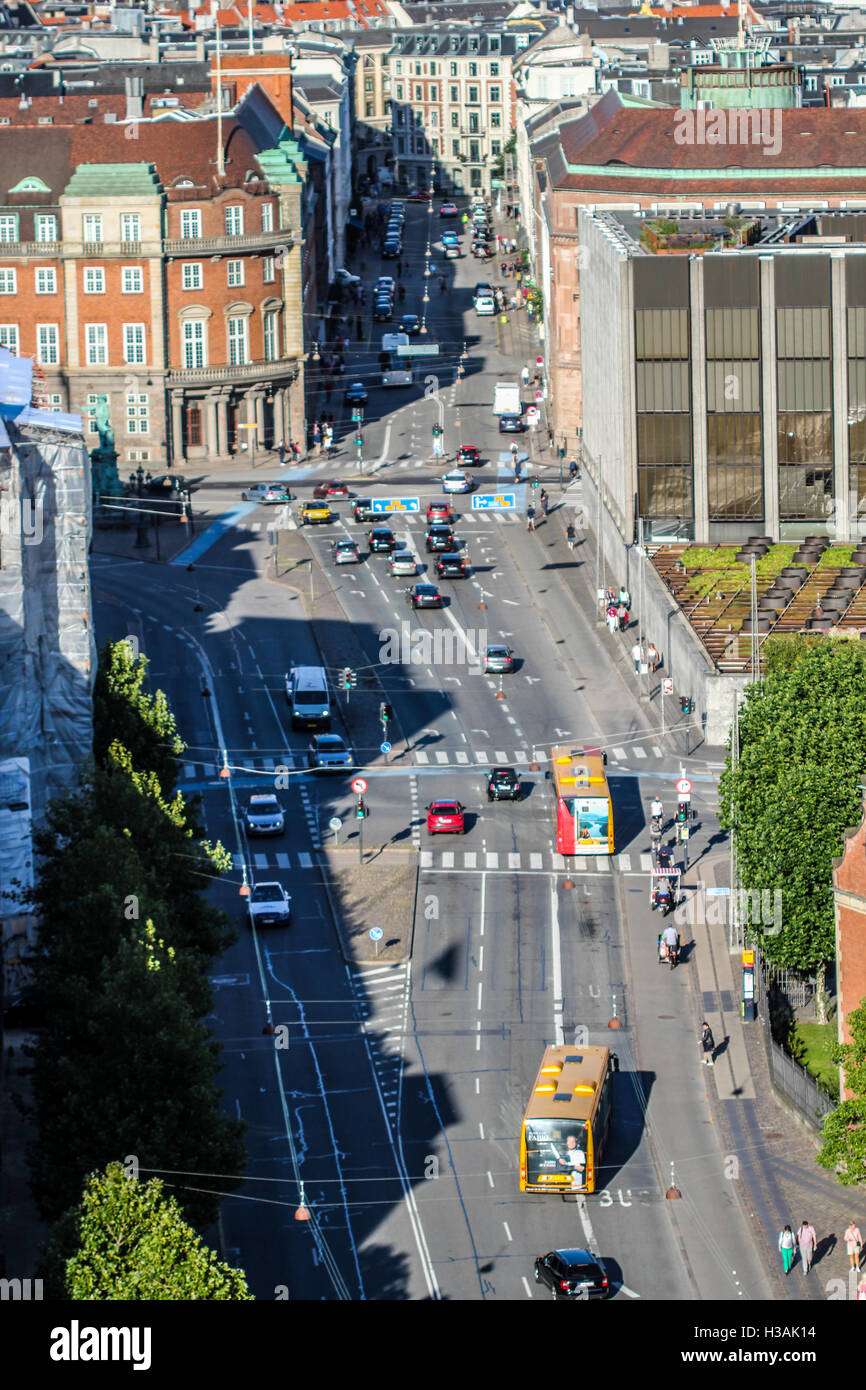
<point>844,1131</point>
<point>125,714</point>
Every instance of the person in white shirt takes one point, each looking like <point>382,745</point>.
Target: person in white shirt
<point>575,1159</point>
<point>656,809</point>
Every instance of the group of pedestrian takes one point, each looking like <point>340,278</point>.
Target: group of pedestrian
<point>806,1240</point>
<point>617,607</point>
<point>323,433</point>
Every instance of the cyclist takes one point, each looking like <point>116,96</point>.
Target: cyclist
<point>572,470</point>
<point>657,810</point>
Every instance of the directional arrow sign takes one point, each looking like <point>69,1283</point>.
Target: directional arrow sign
<point>494,501</point>
<point>394,504</point>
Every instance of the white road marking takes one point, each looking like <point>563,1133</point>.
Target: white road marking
<point>508,1234</point>
<point>260,861</point>
<point>638,751</point>
<point>523,1279</point>
<point>426,859</point>
<point>624,863</point>
<point>481,757</point>
<point>462,757</point>
<point>470,859</point>
<point>283,861</point>
<point>514,861</point>
<point>536,861</point>
<point>646,862</point>
<point>305,861</point>
<point>501,757</point>
<point>448,859</point>
<point>421,757</point>
<point>441,757</point>
<point>657,752</point>
<point>492,860</point>
<point>619,754</point>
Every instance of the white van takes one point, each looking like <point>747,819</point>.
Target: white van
<point>307,693</point>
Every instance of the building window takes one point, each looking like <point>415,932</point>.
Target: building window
<point>91,403</point>
<point>434,120</point>
<point>191,276</point>
<point>455,120</point>
<point>96,344</point>
<point>46,280</point>
<point>137,416</point>
<point>453,68</point>
<point>192,425</point>
<point>267,217</point>
<point>268,272</point>
<point>811,83</point>
<point>9,281</point>
<point>495,120</point>
<point>434,92</point>
<point>132,279</point>
<point>235,270</point>
<point>46,226</point>
<point>368,84</point>
<point>417,69</point>
<point>473,151</point>
<point>495,147</point>
<point>455,96</point>
<point>47,344</point>
<point>55,401</point>
<point>473,95</point>
<point>272,341</point>
<point>368,109</point>
<point>474,122</point>
<point>399,91</point>
<point>194,344</point>
<point>474,178</point>
<point>130,226</point>
<point>473,69</point>
<point>494,69</point>
<point>398,68</point>
<point>133,343</point>
<point>455,149</point>
<point>237,339</point>
<point>91,227</point>
<point>190,223</point>
<point>401,145</point>
<point>94,279</point>
<point>234,220</point>
<point>9,227</point>
<point>494,95</point>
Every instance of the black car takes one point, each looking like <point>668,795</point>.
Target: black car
<point>451,566</point>
<point>572,1274</point>
<point>363,511</point>
<point>356,394</point>
<point>381,538</point>
<point>511,424</point>
<point>503,784</point>
<point>410,323</point>
<point>424,596</point>
<point>391,250</point>
<point>439,538</point>
<point>383,309</point>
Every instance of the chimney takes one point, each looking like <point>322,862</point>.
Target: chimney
<point>134,87</point>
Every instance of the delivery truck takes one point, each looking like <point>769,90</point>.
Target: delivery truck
<point>506,398</point>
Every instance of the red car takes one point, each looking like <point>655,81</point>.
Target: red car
<point>330,488</point>
<point>418,197</point>
<point>439,511</point>
<point>468,456</point>
<point>445,817</point>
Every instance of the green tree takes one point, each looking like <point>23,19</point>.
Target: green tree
<point>844,1130</point>
<point>128,1240</point>
<point>123,713</point>
<point>796,789</point>
<point>123,1067</point>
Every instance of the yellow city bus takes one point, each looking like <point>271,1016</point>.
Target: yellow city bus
<point>571,1098</point>
<point>584,811</point>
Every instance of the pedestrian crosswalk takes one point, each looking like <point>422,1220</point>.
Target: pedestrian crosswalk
<point>459,758</point>
<point>466,517</point>
<point>460,860</point>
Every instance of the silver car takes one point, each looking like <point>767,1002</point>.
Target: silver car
<point>268,493</point>
<point>403,562</point>
<point>264,815</point>
<point>498,660</point>
<point>269,905</point>
<point>328,753</point>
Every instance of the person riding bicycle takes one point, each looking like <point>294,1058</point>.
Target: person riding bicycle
<point>663,855</point>
<point>570,535</point>
<point>671,938</point>
<point>657,810</point>
<point>572,469</point>
<point>663,894</point>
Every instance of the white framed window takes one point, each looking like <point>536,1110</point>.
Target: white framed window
<point>91,226</point>
<point>46,226</point>
<point>137,413</point>
<point>9,226</point>
<point>132,279</point>
<point>9,336</point>
<point>194,343</point>
<point>235,271</point>
<point>133,343</point>
<point>9,280</point>
<point>130,226</point>
<point>190,223</point>
<point>237,341</point>
<point>48,344</point>
<point>267,217</point>
<point>46,280</point>
<point>55,401</point>
<point>272,336</point>
<point>811,83</point>
<point>90,413</point>
<point>234,214</point>
<point>192,275</point>
<point>94,279</point>
<point>269,274</point>
<point>96,344</point>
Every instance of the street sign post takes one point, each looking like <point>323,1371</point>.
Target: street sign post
<point>376,934</point>
<point>385,747</point>
<point>668,685</point>
<point>494,501</point>
<point>359,785</point>
<point>394,504</point>
<point>336,825</point>
<point>684,789</point>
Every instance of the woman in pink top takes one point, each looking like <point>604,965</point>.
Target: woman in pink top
<point>853,1244</point>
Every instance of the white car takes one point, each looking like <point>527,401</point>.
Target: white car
<point>269,905</point>
<point>484,304</point>
<point>345,277</point>
<point>457,481</point>
<point>263,815</point>
<point>403,562</point>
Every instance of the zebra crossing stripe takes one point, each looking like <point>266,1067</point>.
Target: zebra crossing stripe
<point>448,859</point>
<point>619,754</point>
<point>462,757</point>
<point>421,758</point>
<point>639,752</point>
<point>260,861</point>
<point>492,861</point>
<point>481,758</point>
<point>536,861</point>
<point>624,863</point>
<point>470,859</point>
<point>514,861</point>
<point>501,757</point>
<point>426,859</point>
<point>305,861</point>
<point>646,862</point>
<point>603,864</point>
<point>189,770</point>
<point>209,770</point>
<point>283,861</point>
<point>521,756</point>
<point>441,757</point>
<point>657,752</point>
<point>238,861</point>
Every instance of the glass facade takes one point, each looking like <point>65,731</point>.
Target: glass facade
<point>663,389</point>
<point>804,423</point>
<point>732,327</point>
<point>855,276</point>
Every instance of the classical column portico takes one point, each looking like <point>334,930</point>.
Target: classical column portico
<point>222,420</point>
<point>177,454</point>
<point>210,424</point>
<point>279,418</point>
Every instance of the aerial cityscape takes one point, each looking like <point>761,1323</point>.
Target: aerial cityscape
<point>433,658</point>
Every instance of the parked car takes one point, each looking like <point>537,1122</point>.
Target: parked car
<point>572,1274</point>
<point>403,562</point>
<point>445,817</point>
<point>381,538</point>
<point>356,394</point>
<point>383,309</point>
<point>345,277</point>
<point>419,196</point>
<point>330,487</point>
<point>263,815</point>
<point>269,905</point>
<point>511,424</point>
<point>503,784</point>
<point>457,481</point>
<point>346,552</point>
<point>497,660</point>
<point>451,566</point>
<point>266,493</point>
<point>328,753</point>
<point>424,596</point>
<point>390,252</point>
<point>385,285</point>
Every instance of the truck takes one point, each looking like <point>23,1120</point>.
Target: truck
<point>506,398</point>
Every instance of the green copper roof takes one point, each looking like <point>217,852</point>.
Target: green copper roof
<point>113,180</point>
<point>278,164</point>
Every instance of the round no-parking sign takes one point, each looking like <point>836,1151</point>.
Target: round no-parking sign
<point>684,788</point>
<point>359,785</point>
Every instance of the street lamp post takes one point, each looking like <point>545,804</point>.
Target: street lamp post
<point>140,537</point>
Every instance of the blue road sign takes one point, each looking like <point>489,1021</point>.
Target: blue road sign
<point>376,933</point>
<point>384,748</point>
<point>395,504</point>
<point>494,501</point>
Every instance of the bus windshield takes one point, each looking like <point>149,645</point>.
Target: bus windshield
<point>547,1148</point>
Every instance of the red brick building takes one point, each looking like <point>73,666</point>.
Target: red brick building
<point>849,892</point>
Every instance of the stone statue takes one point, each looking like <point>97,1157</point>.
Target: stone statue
<point>103,459</point>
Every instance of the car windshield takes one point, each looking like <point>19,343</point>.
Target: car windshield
<point>345,545</point>
<point>266,893</point>
<point>330,743</point>
<point>311,697</point>
<point>400,555</point>
<point>264,805</point>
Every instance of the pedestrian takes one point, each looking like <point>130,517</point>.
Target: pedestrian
<point>329,386</point>
<point>359,326</point>
<point>853,1244</point>
<point>499,243</point>
<point>624,596</point>
<point>708,1043</point>
<point>612,618</point>
<point>861,1288</point>
<point>807,1239</point>
<point>524,376</point>
<point>399,268</point>
<point>545,502</point>
<point>637,656</point>
<point>652,657</point>
<point>623,617</point>
<point>549,437</point>
<point>530,518</point>
<point>786,1249</point>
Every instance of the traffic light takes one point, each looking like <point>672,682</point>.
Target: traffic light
<point>437,430</point>
<point>361,810</point>
<point>358,440</point>
<point>348,678</point>
<point>385,713</point>
<point>687,704</point>
<point>682,810</point>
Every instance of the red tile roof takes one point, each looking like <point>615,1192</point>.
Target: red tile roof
<point>236,16</point>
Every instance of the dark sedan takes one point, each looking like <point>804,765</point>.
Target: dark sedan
<point>381,539</point>
<point>330,488</point>
<point>452,567</point>
<point>469,456</point>
<point>439,538</point>
<point>511,424</point>
<point>572,1274</point>
<point>424,596</point>
<point>503,784</point>
<point>362,511</point>
<point>356,394</point>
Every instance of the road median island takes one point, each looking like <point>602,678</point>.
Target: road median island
<point>380,893</point>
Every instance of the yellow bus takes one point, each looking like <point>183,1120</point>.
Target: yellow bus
<point>584,810</point>
<point>568,1115</point>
